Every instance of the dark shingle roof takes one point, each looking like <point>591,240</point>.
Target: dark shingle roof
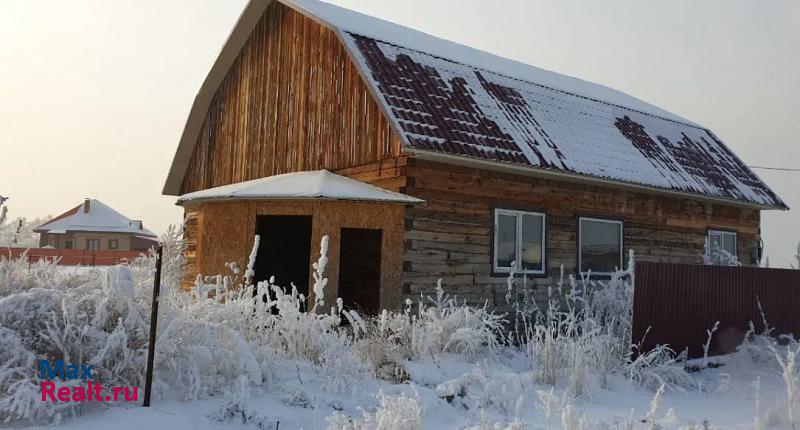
<point>445,106</point>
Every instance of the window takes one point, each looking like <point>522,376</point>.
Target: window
<point>93,244</point>
<point>722,248</point>
<point>113,244</point>
<point>519,242</point>
<point>68,244</point>
<point>599,245</point>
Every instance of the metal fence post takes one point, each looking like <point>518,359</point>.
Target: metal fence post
<point>151,349</point>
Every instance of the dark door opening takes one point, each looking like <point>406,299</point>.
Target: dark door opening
<point>284,250</point>
<point>360,269</point>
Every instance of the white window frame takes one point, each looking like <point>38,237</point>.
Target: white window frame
<point>580,245</point>
<point>518,263</point>
<point>722,233</point>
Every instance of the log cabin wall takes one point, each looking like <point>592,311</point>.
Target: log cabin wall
<point>451,237</point>
<point>292,101</point>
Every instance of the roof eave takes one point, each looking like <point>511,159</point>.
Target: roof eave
<point>191,202</point>
<point>573,177</point>
<point>241,31</point>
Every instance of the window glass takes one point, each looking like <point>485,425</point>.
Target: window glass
<point>729,243</point>
<point>506,243</point>
<point>519,241</point>
<point>112,243</point>
<point>600,245</point>
<point>715,243</point>
<point>722,247</point>
<point>532,242</point>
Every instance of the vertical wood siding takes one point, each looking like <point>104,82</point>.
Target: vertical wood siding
<point>293,100</point>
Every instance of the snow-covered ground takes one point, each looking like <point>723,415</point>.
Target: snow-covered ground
<point>224,360</point>
<point>299,405</point>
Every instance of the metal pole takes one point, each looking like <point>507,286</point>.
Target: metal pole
<point>151,349</point>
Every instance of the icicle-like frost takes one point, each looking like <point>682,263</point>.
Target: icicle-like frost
<point>320,281</point>
<point>510,283</point>
<point>251,261</point>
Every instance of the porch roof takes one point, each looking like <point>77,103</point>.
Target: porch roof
<point>319,184</point>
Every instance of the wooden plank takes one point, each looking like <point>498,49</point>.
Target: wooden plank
<point>292,101</point>
<point>451,234</point>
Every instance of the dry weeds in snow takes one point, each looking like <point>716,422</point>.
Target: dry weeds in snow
<point>225,334</point>
<point>791,374</point>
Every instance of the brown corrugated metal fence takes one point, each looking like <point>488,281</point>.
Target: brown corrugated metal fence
<point>72,257</point>
<point>679,302</point>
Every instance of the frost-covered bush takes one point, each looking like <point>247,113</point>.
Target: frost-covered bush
<point>393,413</point>
<point>762,352</point>
<point>18,232</point>
<point>790,371</point>
<point>226,332</point>
<point>227,327</point>
<point>431,329</point>
<point>658,367</point>
<point>88,319</point>
<point>488,386</point>
<point>17,275</point>
<point>585,334</point>
<point>584,329</point>
<point>237,408</point>
<point>98,317</point>
<point>447,326</point>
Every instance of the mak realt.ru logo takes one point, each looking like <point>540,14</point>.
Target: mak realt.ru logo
<point>71,371</point>
<point>48,372</point>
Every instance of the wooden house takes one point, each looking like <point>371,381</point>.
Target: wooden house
<point>490,166</point>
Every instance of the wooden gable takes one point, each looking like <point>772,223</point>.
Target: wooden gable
<point>293,100</point>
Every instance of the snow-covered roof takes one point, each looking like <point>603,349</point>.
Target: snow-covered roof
<point>94,215</point>
<point>449,107</point>
<point>349,21</point>
<point>319,184</point>
<point>448,99</point>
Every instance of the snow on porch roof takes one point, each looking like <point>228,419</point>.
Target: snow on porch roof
<point>320,184</point>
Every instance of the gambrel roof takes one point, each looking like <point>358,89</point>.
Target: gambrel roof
<point>458,104</point>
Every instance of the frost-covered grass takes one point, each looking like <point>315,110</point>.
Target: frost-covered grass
<point>227,358</point>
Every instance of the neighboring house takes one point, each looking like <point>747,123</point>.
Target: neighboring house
<point>94,226</point>
<point>520,169</point>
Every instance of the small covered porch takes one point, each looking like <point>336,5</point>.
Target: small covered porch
<point>291,213</point>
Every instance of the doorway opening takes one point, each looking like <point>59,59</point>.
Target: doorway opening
<point>284,251</point>
<point>360,269</point>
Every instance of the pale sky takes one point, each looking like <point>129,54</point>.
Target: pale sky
<point>94,93</point>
